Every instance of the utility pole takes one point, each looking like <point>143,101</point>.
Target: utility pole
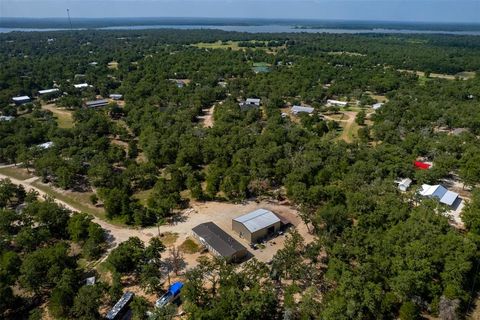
<point>69,20</point>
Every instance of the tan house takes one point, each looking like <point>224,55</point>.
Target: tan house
<point>256,225</point>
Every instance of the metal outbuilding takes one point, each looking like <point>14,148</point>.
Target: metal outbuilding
<point>256,225</point>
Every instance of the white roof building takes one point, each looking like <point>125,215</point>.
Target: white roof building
<point>302,109</point>
<point>377,106</point>
<point>47,91</point>
<point>404,184</point>
<point>337,103</point>
<point>46,145</point>
<point>81,85</point>
<point>253,101</point>
<point>21,99</point>
<point>116,96</point>
<point>258,219</point>
<point>440,192</point>
<point>6,118</point>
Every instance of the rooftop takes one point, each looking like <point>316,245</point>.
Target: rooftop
<point>258,219</point>
<point>218,239</point>
<point>298,109</point>
<point>440,192</point>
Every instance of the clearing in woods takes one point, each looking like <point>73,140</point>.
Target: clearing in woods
<point>64,117</point>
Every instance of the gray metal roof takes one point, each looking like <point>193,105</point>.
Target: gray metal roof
<point>96,103</point>
<point>258,219</point>
<point>218,239</point>
<point>299,109</point>
<point>449,198</point>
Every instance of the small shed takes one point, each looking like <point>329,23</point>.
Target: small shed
<point>377,106</point>
<point>404,184</point>
<point>218,242</point>
<point>256,225</point>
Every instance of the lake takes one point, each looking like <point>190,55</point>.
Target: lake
<point>253,29</point>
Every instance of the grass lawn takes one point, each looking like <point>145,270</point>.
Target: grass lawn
<point>142,196</point>
<point>189,246</point>
<point>16,173</point>
<point>64,117</point>
<point>219,45</point>
<point>168,238</point>
<point>78,200</point>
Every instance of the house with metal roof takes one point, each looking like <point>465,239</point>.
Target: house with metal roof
<point>48,91</point>
<point>440,193</point>
<point>81,86</point>
<point>256,225</point>
<point>302,109</point>
<point>96,103</point>
<point>250,103</point>
<point>377,106</point>
<point>404,184</point>
<point>336,103</point>
<point>116,96</point>
<point>218,242</point>
<point>21,100</point>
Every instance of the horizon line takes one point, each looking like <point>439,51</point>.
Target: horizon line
<point>248,18</point>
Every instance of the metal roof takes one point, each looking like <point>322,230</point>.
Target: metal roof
<point>48,91</point>
<point>298,109</point>
<point>120,305</point>
<point>258,219</point>
<point>253,101</point>
<point>440,192</point>
<point>97,103</point>
<point>449,198</point>
<point>217,239</point>
<point>21,98</point>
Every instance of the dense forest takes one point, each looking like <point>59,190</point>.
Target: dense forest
<point>377,253</point>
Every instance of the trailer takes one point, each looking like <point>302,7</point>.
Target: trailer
<point>172,294</point>
<point>120,308</point>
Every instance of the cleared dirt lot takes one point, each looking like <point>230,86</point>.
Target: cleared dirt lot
<point>222,214</point>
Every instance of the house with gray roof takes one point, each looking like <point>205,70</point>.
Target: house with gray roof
<point>256,225</point>
<point>218,242</point>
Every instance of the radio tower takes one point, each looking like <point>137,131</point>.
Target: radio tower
<point>69,20</point>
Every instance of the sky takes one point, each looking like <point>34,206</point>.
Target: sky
<point>377,10</point>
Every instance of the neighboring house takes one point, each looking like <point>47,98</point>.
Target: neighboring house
<point>6,118</point>
<point>81,86</point>
<point>336,103</point>
<point>218,242</point>
<point>377,106</point>
<point>116,96</point>
<point>46,145</point>
<point>48,91</point>
<point>120,308</point>
<point>440,193</point>
<point>302,109</point>
<point>249,103</point>
<point>256,225</point>
<point>21,100</point>
<point>404,184</point>
<point>96,103</point>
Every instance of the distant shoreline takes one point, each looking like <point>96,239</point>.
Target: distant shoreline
<point>283,25</point>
